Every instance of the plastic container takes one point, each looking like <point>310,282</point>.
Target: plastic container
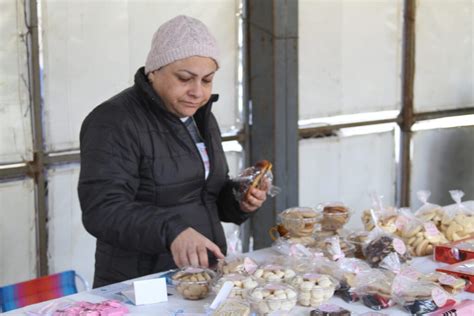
<point>193,283</point>
<point>335,216</point>
<point>242,284</point>
<point>314,289</point>
<point>273,273</point>
<point>272,298</point>
<point>300,221</point>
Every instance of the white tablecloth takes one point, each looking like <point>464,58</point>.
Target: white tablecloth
<point>176,303</point>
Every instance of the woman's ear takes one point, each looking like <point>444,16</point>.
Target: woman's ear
<point>151,77</point>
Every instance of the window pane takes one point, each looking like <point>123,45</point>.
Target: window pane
<point>443,160</point>
<point>17,228</point>
<point>349,56</point>
<point>444,55</point>
<point>92,50</point>
<point>15,124</point>
<point>69,245</point>
<point>347,169</point>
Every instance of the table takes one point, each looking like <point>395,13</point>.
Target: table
<point>176,303</point>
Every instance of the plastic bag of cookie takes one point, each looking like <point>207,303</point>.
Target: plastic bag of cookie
<point>421,237</point>
<point>236,264</point>
<point>272,297</point>
<point>258,176</point>
<point>296,247</point>
<point>232,307</point>
<point>357,240</point>
<point>374,288</point>
<point>458,219</point>
<point>429,211</point>
<point>418,296</point>
<point>335,247</point>
<point>193,283</point>
<point>380,215</point>
<point>348,269</point>
<point>450,283</point>
<point>380,244</point>
<point>335,215</point>
<point>300,221</point>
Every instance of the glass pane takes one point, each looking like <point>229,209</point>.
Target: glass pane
<point>92,50</point>
<point>15,124</point>
<point>349,56</point>
<point>443,160</point>
<point>444,55</point>
<point>17,228</point>
<point>69,245</point>
<point>347,169</point>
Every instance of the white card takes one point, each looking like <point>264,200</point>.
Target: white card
<point>148,292</point>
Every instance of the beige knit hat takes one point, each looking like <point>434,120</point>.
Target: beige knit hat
<point>179,38</point>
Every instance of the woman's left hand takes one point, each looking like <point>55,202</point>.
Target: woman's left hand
<point>253,200</point>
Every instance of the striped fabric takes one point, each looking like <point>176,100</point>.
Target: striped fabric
<point>37,290</point>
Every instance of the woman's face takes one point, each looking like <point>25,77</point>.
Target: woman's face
<point>184,85</point>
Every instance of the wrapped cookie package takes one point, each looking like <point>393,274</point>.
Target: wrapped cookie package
<point>236,264</point>
<point>458,219</point>
<point>374,288</point>
<point>380,244</point>
<point>258,176</point>
<point>384,217</point>
<point>193,283</point>
<point>420,236</point>
<point>418,296</point>
<point>428,211</point>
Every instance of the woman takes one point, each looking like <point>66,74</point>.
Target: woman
<point>154,182</point>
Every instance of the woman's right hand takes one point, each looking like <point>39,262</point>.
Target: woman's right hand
<point>189,248</point>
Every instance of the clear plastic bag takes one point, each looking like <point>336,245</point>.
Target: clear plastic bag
<point>421,236</point>
<point>374,288</point>
<point>418,296</point>
<point>458,219</point>
<point>379,215</point>
<point>259,176</point>
<point>380,244</point>
<point>428,211</point>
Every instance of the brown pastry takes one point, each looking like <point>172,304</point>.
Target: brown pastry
<point>262,166</point>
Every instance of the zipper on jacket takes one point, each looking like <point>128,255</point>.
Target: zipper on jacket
<point>211,163</point>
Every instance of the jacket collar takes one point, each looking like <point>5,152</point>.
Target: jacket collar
<point>157,104</point>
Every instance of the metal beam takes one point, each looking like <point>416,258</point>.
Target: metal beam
<point>37,166</point>
<point>407,115</point>
<point>273,91</point>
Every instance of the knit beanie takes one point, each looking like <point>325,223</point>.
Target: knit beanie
<point>179,38</point>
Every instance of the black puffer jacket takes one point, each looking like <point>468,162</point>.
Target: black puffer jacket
<point>142,183</point>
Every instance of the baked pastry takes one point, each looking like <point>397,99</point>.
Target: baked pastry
<point>260,169</point>
<point>300,221</point>
<point>193,283</point>
<point>334,217</point>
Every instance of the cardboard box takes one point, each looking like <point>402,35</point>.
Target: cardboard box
<point>456,251</point>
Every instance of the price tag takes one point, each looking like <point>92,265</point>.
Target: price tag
<point>448,280</point>
<point>399,246</point>
<point>401,222</point>
<point>439,297</point>
<point>431,229</point>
